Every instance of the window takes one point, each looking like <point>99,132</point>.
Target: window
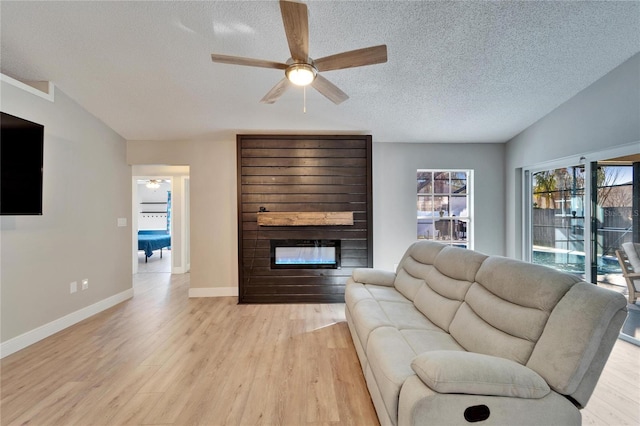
<point>444,206</point>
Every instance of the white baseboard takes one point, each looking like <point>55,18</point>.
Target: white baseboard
<point>44,331</point>
<point>213,292</point>
<point>177,270</point>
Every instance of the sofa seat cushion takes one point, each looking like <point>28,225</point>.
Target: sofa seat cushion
<point>386,294</point>
<point>368,316</point>
<point>390,352</point>
<point>476,374</point>
<point>356,292</point>
<point>406,316</point>
<point>389,357</point>
<point>375,306</point>
<point>430,340</point>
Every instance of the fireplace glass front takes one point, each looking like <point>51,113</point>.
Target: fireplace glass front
<point>305,254</point>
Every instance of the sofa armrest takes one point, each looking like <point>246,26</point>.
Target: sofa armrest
<point>478,374</point>
<point>374,276</point>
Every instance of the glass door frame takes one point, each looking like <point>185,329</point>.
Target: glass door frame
<point>588,160</point>
<point>527,207</point>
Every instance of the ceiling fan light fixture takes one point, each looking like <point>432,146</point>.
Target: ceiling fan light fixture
<point>301,74</point>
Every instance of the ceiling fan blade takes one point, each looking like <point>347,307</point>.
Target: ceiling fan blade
<point>277,91</point>
<point>329,90</point>
<point>237,60</point>
<point>296,26</point>
<point>353,58</point>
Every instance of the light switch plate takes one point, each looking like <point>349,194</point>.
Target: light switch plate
<point>122,221</point>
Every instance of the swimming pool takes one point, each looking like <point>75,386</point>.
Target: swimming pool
<point>574,262</point>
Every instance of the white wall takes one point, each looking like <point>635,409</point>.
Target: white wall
<point>87,187</point>
<point>604,116</point>
<point>394,193</point>
<point>213,207</point>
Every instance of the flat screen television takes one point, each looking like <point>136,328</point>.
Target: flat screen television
<point>21,159</point>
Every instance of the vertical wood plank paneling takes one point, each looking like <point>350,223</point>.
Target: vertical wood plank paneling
<point>302,173</point>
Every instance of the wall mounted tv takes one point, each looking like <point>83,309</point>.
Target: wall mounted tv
<point>21,158</point>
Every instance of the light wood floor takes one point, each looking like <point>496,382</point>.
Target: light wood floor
<point>155,263</point>
<point>162,358</point>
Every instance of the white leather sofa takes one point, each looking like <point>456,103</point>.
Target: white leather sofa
<point>458,337</point>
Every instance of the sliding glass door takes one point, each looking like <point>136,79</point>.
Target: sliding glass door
<point>578,215</point>
<point>558,219</point>
<point>612,223</point>
<point>615,221</point>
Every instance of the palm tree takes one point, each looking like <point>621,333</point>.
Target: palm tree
<point>544,188</point>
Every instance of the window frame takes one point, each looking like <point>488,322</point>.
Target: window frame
<point>455,228</point>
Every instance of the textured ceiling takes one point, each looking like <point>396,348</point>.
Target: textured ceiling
<point>478,71</point>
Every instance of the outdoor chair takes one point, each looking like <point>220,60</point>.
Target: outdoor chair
<point>629,258</point>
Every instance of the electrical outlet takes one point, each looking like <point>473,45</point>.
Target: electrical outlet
<point>85,284</point>
<point>73,287</point>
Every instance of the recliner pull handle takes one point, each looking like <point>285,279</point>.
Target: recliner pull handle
<point>476,413</point>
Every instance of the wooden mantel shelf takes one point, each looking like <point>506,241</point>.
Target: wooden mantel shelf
<point>304,218</point>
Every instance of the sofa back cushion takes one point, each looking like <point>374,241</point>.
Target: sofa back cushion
<point>458,263</point>
<point>507,307</point>
<point>410,277</point>
<point>423,251</point>
<point>414,266</point>
<point>440,307</point>
<point>438,287</point>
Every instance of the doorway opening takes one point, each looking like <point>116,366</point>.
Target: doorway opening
<point>154,230</point>
<point>160,216</point>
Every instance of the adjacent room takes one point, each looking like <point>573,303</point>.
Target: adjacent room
<point>153,198</point>
<point>320,212</point>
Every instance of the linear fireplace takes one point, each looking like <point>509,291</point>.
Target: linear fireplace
<point>305,254</point>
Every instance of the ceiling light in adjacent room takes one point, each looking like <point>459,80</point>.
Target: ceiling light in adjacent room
<point>153,184</point>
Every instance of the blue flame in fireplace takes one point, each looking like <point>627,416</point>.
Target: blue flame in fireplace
<point>305,256</point>
<point>301,261</point>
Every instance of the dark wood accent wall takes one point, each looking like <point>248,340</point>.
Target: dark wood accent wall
<point>293,173</point>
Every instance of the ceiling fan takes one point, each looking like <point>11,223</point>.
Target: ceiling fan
<point>300,69</point>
